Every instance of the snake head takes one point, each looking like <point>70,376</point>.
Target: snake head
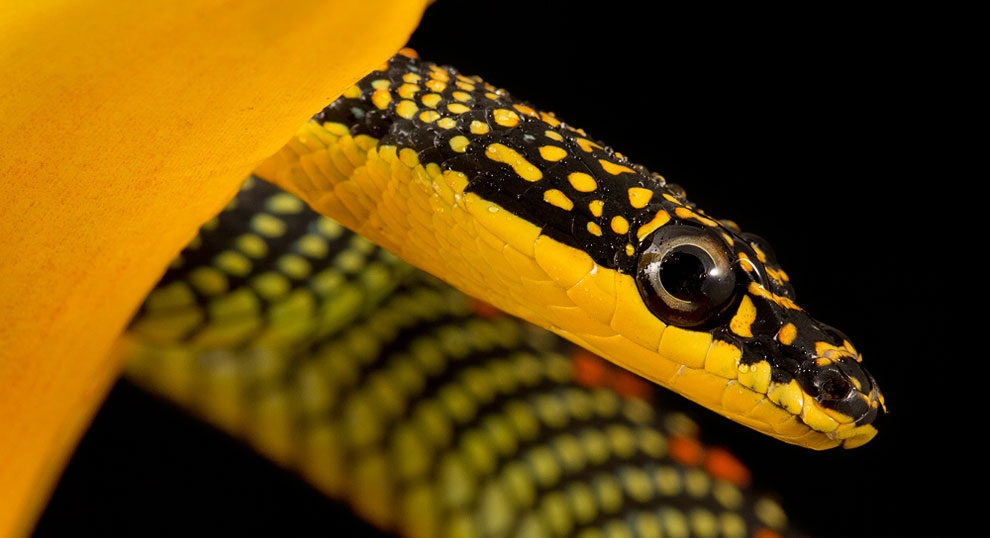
<point>530,214</point>
<point>704,275</point>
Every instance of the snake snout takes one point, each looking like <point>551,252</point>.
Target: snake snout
<point>841,385</point>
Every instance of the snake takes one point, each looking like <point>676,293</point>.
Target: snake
<point>309,332</point>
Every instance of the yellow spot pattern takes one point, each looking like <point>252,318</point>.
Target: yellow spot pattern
<point>558,198</point>
<point>615,169</point>
<point>501,153</point>
<point>352,92</point>
<point>267,225</point>
<point>381,98</point>
<point>505,118</point>
<point>459,143</point>
<point>582,182</point>
<point>431,100</point>
<point>639,197</point>
<point>656,222</point>
<point>284,203</point>
<point>786,334</point>
<point>478,128</point>
<point>686,213</point>
<point>523,109</point>
<point>406,109</point>
<point>587,145</point>
<point>760,291</point>
<point>252,245</point>
<point>549,118</point>
<point>407,91</point>
<point>552,153</point>
<point>596,206</point>
<point>620,225</point>
<point>233,263</point>
<point>759,253</point>
<point>439,73</point>
<point>742,322</point>
<point>208,280</point>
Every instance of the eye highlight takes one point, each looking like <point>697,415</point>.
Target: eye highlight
<point>685,275</point>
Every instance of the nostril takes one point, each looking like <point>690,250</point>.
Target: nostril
<point>835,387</point>
<point>830,386</point>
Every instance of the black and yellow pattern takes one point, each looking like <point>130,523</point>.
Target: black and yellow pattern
<point>259,276</point>
<point>515,207</point>
<point>432,415</point>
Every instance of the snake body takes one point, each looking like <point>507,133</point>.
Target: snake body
<point>430,413</point>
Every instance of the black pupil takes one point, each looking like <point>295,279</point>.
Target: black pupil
<point>683,275</point>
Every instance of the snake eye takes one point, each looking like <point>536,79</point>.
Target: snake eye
<point>685,275</point>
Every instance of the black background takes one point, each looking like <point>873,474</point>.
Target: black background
<point>815,128</point>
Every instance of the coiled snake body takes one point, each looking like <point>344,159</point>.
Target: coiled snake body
<point>432,415</point>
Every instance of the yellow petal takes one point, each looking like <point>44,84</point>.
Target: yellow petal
<point>125,126</point>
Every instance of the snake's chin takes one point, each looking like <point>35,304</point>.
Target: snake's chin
<point>863,434</point>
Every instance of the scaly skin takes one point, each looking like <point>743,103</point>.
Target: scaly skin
<point>429,413</point>
<point>518,209</point>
